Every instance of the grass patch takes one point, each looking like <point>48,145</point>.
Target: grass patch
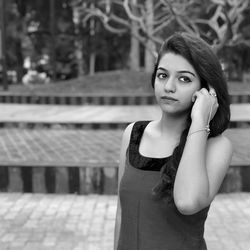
<point>105,83</point>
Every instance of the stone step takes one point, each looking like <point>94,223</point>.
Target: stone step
<point>95,99</point>
<point>85,162</point>
<point>94,117</point>
<point>59,179</point>
<point>89,125</point>
<point>90,180</point>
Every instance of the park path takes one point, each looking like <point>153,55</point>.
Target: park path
<point>73,222</point>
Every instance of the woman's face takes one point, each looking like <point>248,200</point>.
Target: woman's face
<point>175,83</point>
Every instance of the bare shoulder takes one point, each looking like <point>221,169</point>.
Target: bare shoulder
<point>129,128</point>
<point>124,146</point>
<point>127,133</point>
<point>126,139</point>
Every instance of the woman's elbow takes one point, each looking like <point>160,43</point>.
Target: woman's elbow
<point>188,207</point>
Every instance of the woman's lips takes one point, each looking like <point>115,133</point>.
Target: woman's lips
<point>168,98</point>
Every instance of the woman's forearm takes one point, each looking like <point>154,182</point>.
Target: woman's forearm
<point>191,188</point>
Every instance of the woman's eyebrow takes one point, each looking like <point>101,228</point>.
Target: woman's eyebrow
<point>161,69</point>
<point>186,71</point>
<point>181,71</point>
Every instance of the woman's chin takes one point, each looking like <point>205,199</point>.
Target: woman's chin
<point>174,112</point>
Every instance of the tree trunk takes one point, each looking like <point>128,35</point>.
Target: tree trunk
<point>19,67</point>
<point>149,57</point>
<point>78,44</point>
<point>92,59</point>
<point>134,56</point>
<point>92,56</point>
<point>150,46</point>
<point>79,58</point>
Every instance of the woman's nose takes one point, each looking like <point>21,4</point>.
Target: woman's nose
<point>170,85</point>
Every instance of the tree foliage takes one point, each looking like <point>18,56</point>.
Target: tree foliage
<point>114,31</point>
<point>222,23</point>
<point>29,38</point>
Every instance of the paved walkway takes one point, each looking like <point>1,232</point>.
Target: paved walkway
<point>70,147</point>
<point>59,147</point>
<point>71,222</point>
<point>88,114</point>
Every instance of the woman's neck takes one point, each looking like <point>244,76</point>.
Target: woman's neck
<point>172,125</point>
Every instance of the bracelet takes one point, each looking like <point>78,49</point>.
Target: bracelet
<point>206,129</point>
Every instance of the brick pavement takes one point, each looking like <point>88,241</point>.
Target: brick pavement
<point>70,147</point>
<point>67,147</point>
<point>73,222</point>
<point>58,222</point>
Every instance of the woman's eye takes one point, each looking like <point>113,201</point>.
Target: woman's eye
<point>184,79</point>
<point>161,75</point>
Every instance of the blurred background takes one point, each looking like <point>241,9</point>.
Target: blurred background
<point>73,75</point>
<point>47,41</point>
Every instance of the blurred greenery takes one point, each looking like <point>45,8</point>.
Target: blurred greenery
<point>94,36</point>
<point>105,83</point>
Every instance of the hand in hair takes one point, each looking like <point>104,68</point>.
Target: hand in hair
<point>205,106</point>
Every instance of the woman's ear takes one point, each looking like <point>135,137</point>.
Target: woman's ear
<point>193,97</point>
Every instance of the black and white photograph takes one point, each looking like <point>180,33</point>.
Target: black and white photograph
<point>124,124</point>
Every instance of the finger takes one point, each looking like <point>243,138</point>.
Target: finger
<point>204,91</point>
<point>212,91</point>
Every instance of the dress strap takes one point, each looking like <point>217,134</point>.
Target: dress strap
<point>135,158</point>
<point>135,138</point>
<point>137,132</point>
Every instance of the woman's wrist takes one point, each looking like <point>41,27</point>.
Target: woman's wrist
<point>199,126</point>
<point>205,130</point>
<point>198,123</point>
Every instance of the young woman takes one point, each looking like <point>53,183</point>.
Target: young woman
<point>172,168</point>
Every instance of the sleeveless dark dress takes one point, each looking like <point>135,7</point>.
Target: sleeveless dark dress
<point>148,223</point>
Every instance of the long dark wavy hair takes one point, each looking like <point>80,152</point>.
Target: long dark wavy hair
<point>205,62</point>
